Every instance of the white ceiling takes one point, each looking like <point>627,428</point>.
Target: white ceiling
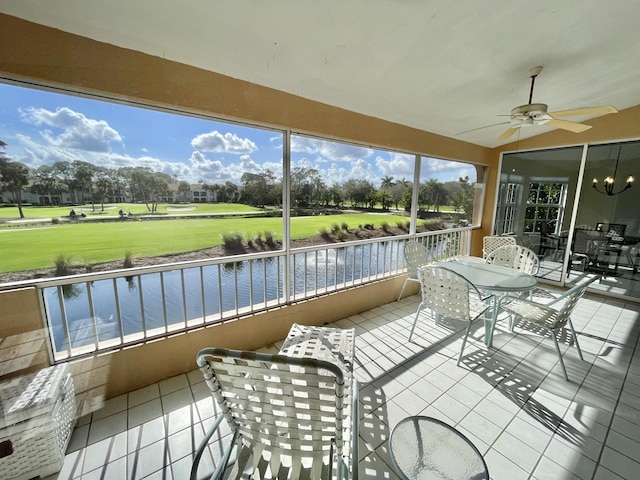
<point>445,66</point>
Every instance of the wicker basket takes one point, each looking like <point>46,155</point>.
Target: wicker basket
<point>37,416</point>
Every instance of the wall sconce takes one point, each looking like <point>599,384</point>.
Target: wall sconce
<point>609,182</point>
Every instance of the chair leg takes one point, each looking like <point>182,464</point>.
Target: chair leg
<point>555,341</point>
<point>575,339</point>
<point>464,342</point>
<point>403,287</point>
<point>415,320</point>
<point>513,320</point>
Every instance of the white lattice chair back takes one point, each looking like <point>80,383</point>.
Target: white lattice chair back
<point>416,255</point>
<point>284,412</point>
<point>570,300</point>
<point>516,257</point>
<point>449,294</point>
<point>490,243</point>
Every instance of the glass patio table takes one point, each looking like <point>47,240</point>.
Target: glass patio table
<point>492,279</point>
<point>424,448</point>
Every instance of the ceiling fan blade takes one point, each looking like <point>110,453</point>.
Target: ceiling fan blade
<point>574,127</point>
<point>603,110</point>
<point>480,128</point>
<point>508,132</point>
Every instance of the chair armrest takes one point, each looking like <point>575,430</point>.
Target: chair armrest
<point>573,289</point>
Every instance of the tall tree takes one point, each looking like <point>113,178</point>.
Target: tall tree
<point>104,184</point>
<point>398,191</point>
<point>358,191</point>
<point>45,182</point>
<point>465,197</point>
<point>146,186</point>
<point>214,189</point>
<point>230,192</point>
<point>13,177</point>
<point>82,180</point>
<point>384,196</point>
<point>184,190</point>
<point>387,182</point>
<point>258,188</point>
<point>433,193</point>
<point>307,186</point>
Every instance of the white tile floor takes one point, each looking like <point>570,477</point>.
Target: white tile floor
<point>511,401</point>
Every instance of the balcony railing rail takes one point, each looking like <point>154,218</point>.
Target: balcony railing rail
<point>101,311</point>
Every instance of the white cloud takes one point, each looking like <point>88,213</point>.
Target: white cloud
<point>78,131</point>
<point>332,151</point>
<point>248,165</point>
<point>34,154</point>
<point>364,170</point>
<point>304,163</point>
<point>275,167</point>
<point>400,165</point>
<point>445,170</point>
<point>227,143</point>
<point>336,175</point>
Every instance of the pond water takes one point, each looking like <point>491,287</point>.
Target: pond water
<point>172,299</point>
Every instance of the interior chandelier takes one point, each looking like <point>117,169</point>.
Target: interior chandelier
<point>609,182</point>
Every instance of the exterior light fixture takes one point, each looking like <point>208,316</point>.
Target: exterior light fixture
<point>609,182</point>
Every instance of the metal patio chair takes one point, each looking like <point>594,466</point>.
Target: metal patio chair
<point>491,242</point>
<point>450,295</point>
<point>549,317</point>
<point>416,255</point>
<point>517,257</point>
<point>287,416</point>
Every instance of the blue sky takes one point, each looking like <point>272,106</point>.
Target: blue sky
<point>41,128</point>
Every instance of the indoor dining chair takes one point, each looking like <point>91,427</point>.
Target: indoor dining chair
<point>552,316</point>
<point>416,255</point>
<point>288,416</point>
<point>450,295</point>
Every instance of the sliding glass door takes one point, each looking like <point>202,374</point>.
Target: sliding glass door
<point>547,199</point>
<point>536,197</point>
<point>610,222</point>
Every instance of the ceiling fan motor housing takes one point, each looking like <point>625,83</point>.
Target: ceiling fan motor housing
<point>530,110</point>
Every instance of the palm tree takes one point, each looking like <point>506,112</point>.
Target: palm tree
<point>386,182</point>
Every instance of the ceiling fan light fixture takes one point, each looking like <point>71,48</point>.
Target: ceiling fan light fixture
<point>538,114</point>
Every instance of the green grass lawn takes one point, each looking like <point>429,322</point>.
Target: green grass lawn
<point>33,212</point>
<point>88,242</point>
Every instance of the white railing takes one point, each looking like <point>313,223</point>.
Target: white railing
<point>100,311</point>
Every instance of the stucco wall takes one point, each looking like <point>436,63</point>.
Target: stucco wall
<point>23,347</point>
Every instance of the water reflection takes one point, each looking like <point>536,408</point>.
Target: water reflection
<point>164,301</point>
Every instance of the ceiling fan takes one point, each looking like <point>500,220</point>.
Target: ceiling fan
<point>536,114</point>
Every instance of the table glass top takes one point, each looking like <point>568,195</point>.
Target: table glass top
<point>426,448</point>
<point>493,278</point>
